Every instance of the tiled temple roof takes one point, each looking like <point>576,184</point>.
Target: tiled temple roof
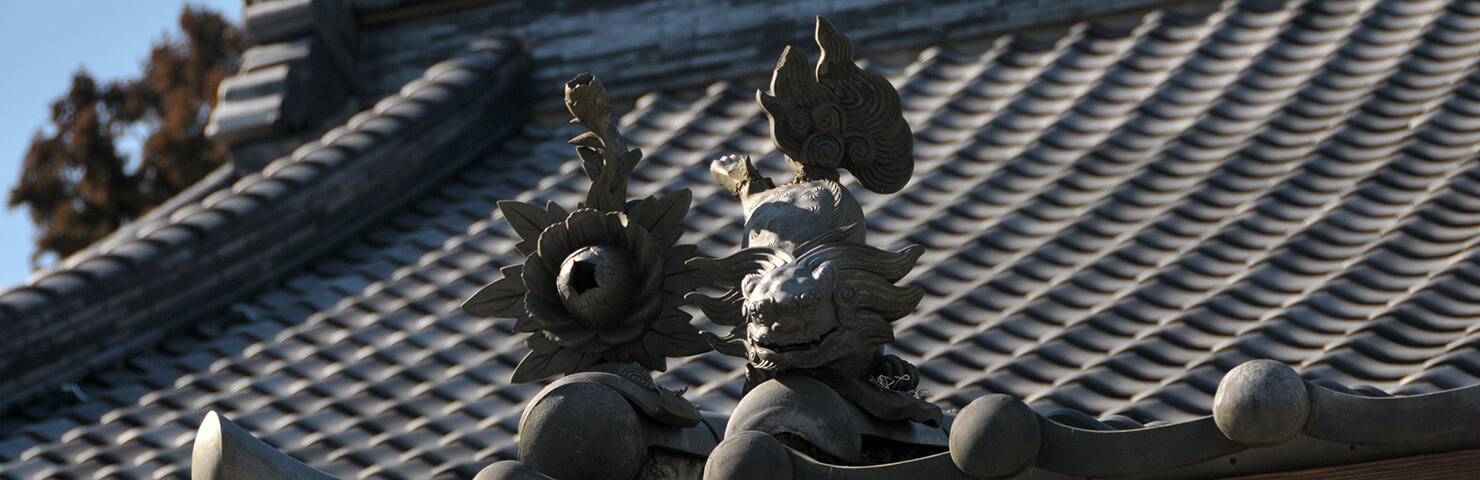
<point>232,239</point>
<point>1115,214</point>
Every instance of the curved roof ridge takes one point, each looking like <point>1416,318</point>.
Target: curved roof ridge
<point>274,214</point>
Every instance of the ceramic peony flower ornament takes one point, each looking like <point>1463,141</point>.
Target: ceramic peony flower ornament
<point>602,283</point>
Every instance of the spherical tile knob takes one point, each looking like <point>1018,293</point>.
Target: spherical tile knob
<point>1262,402</point>
<point>582,430</point>
<point>509,470</point>
<point>749,455</point>
<point>995,436</point>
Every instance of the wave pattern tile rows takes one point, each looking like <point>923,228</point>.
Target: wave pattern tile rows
<point>1116,214</point>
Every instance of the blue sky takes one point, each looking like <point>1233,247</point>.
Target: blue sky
<point>45,43</point>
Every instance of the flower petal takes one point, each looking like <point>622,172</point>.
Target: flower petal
<point>617,336</point>
<point>525,323</point>
<point>674,336</point>
<point>555,242</point>
<point>528,221</point>
<point>646,312</point>
<point>539,279</point>
<point>576,337</point>
<point>663,217</point>
<point>555,210</point>
<point>648,358</point>
<point>548,316</point>
<point>649,260</point>
<point>503,298</point>
<point>545,359</point>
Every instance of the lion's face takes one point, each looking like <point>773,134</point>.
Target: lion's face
<point>792,319</point>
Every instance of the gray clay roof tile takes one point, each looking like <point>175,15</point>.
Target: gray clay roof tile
<point>1114,221</point>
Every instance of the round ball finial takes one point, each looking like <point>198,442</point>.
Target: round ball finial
<point>749,455</point>
<point>582,430</point>
<point>994,436</point>
<point>1262,402</point>
<point>508,470</point>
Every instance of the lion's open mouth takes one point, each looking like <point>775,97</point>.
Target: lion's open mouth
<point>793,345</point>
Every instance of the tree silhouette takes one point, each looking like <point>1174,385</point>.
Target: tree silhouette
<point>74,181</point>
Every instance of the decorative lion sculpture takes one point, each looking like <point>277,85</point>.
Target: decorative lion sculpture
<point>829,304</point>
